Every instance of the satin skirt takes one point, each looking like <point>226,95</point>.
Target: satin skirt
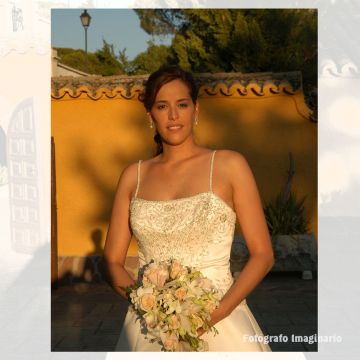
<point>237,332</point>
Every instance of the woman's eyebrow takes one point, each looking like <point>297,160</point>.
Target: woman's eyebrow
<point>184,99</point>
<point>165,101</point>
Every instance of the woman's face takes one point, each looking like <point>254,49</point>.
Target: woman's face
<point>173,112</point>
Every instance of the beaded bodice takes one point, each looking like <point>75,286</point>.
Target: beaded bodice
<point>197,230</point>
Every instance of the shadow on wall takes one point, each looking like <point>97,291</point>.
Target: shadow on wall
<point>85,269</point>
<point>89,268</point>
<point>94,162</point>
<point>132,140</point>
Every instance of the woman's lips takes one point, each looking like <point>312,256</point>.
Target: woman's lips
<point>174,127</point>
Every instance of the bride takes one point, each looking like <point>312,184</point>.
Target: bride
<point>183,203</point>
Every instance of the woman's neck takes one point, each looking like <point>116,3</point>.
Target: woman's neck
<point>175,153</point>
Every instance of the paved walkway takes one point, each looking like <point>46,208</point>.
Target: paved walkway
<point>89,317</point>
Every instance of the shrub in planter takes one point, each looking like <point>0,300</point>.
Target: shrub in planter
<point>294,247</point>
<point>286,216</point>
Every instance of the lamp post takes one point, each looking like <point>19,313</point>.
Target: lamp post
<point>85,21</point>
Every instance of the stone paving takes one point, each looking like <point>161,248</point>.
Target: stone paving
<point>89,317</point>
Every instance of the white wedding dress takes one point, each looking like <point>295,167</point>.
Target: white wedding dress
<point>197,230</point>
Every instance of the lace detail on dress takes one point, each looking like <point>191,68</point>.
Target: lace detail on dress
<point>181,227</point>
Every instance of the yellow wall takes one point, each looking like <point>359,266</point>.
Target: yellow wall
<point>95,139</point>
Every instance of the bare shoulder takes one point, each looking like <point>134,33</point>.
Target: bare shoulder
<point>128,178</point>
<point>130,171</point>
<point>233,167</point>
<point>230,159</point>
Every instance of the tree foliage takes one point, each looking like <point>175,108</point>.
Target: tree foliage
<point>108,63</point>
<point>102,62</point>
<point>241,40</point>
<point>151,59</point>
<point>161,21</point>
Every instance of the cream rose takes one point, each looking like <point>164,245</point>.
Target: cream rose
<point>174,322</point>
<point>175,269</point>
<point>156,275</point>
<point>170,341</point>
<point>180,293</point>
<point>147,302</point>
<point>163,277</point>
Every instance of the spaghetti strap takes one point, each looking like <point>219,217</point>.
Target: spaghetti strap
<point>211,169</point>
<point>138,179</point>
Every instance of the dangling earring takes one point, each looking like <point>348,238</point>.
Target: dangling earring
<point>196,119</point>
<point>151,123</point>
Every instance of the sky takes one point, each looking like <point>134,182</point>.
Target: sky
<point>120,27</point>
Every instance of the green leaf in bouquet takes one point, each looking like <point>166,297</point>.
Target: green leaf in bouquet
<point>193,341</point>
<point>206,326</point>
<point>129,289</point>
<point>181,331</point>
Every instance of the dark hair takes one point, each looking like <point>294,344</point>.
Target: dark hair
<point>161,77</point>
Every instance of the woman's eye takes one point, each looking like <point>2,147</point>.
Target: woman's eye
<point>183,105</point>
<point>161,106</point>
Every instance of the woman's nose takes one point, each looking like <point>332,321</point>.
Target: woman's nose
<point>173,114</point>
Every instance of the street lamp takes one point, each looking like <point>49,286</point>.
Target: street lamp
<point>85,21</point>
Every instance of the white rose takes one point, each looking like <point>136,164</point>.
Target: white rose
<point>144,290</point>
<point>205,284</point>
<point>150,319</point>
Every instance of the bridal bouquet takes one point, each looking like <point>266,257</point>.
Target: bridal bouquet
<point>173,302</point>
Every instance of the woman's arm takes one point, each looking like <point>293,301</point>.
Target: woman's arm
<point>119,233</point>
<point>251,217</point>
